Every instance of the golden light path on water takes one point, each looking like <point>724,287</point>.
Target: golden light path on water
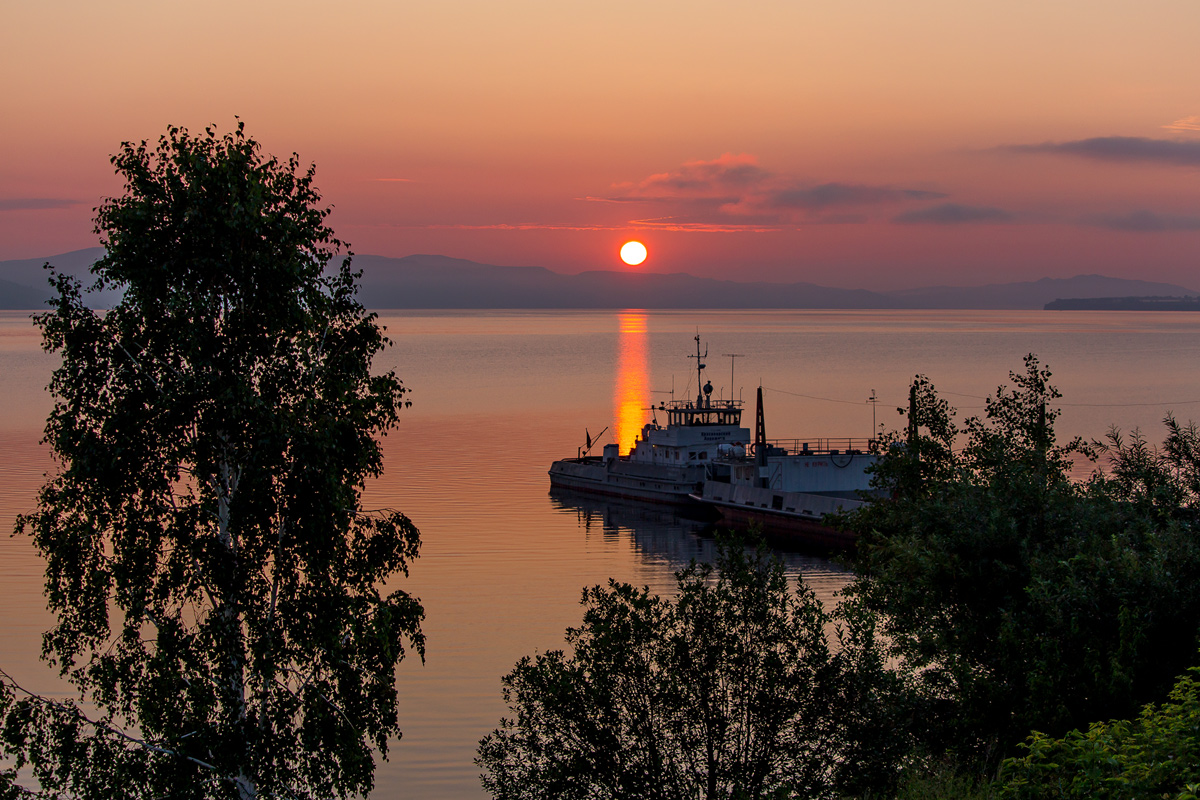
<point>631,396</point>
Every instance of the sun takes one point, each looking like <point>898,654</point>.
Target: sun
<point>633,253</point>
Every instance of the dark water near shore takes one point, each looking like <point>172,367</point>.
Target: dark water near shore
<point>497,396</point>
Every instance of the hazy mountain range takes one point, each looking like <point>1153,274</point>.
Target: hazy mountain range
<point>427,281</point>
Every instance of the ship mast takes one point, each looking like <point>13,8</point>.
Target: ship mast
<point>699,372</point>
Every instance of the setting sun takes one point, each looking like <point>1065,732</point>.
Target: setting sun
<point>633,253</point>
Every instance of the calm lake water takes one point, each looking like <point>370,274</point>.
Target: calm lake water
<point>499,395</point>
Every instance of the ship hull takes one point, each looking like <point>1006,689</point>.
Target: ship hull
<point>792,516</point>
<point>619,478</point>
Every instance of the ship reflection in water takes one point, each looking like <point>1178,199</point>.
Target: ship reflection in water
<point>658,531</point>
<point>631,395</point>
<point>674,537</point>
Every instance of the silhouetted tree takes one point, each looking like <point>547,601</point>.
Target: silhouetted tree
<point>216,580</point>
<point>1016,597</point>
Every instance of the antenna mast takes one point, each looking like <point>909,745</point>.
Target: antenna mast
<point>874,401</point>
<point>733,357</point>
<point>664,391</point>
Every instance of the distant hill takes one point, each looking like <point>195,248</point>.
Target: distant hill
<point>14,295</point>
<point>424,281</point>
<point>431,281</point>
<point>29,271</point>
<point>25,284</point>
<point>427,281</point>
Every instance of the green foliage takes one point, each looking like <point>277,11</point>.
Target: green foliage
<point>1156,755</point>
<point>216,582</point>
<point>1015,597</point>
<point>730,690</point>
<point>942,784</point>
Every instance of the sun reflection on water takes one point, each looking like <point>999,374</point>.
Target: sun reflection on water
<point>631,396</point>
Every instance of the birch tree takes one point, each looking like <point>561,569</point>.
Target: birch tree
<point>222,597</point>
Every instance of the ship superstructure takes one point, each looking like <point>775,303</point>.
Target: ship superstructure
<point>668,462</point>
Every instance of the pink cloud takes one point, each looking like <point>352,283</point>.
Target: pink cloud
<point>1185,125</point>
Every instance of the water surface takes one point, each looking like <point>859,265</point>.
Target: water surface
<point>499,395</point>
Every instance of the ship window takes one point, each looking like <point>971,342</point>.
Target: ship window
<point>703,455</point>
<point>691,455</point>
<point>777,503</point>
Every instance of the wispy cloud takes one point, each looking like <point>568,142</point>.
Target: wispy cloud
<point>35,203</point>
<point>830,195</point>
<point>1185,125</point>
<point>591,199</point>
<point>701,226</point>
<point>730,173</point>
<point>733,192</point>
<point>500,226</point>
<point>1128,149</point>
<point>954,214</point>
<point>1145,222</point>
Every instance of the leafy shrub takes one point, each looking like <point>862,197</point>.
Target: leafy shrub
<point>730,690</point>
<point>1156,755</point>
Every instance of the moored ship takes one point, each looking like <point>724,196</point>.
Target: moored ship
<point>703,458</point>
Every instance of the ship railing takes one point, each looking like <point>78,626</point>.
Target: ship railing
<point>690,405</point>
<point>824,446</point>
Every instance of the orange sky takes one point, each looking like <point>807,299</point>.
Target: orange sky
<point>857,144</point>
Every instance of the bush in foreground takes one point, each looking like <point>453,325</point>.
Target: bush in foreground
<point>730,690</point>
<point>1156,755</point>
